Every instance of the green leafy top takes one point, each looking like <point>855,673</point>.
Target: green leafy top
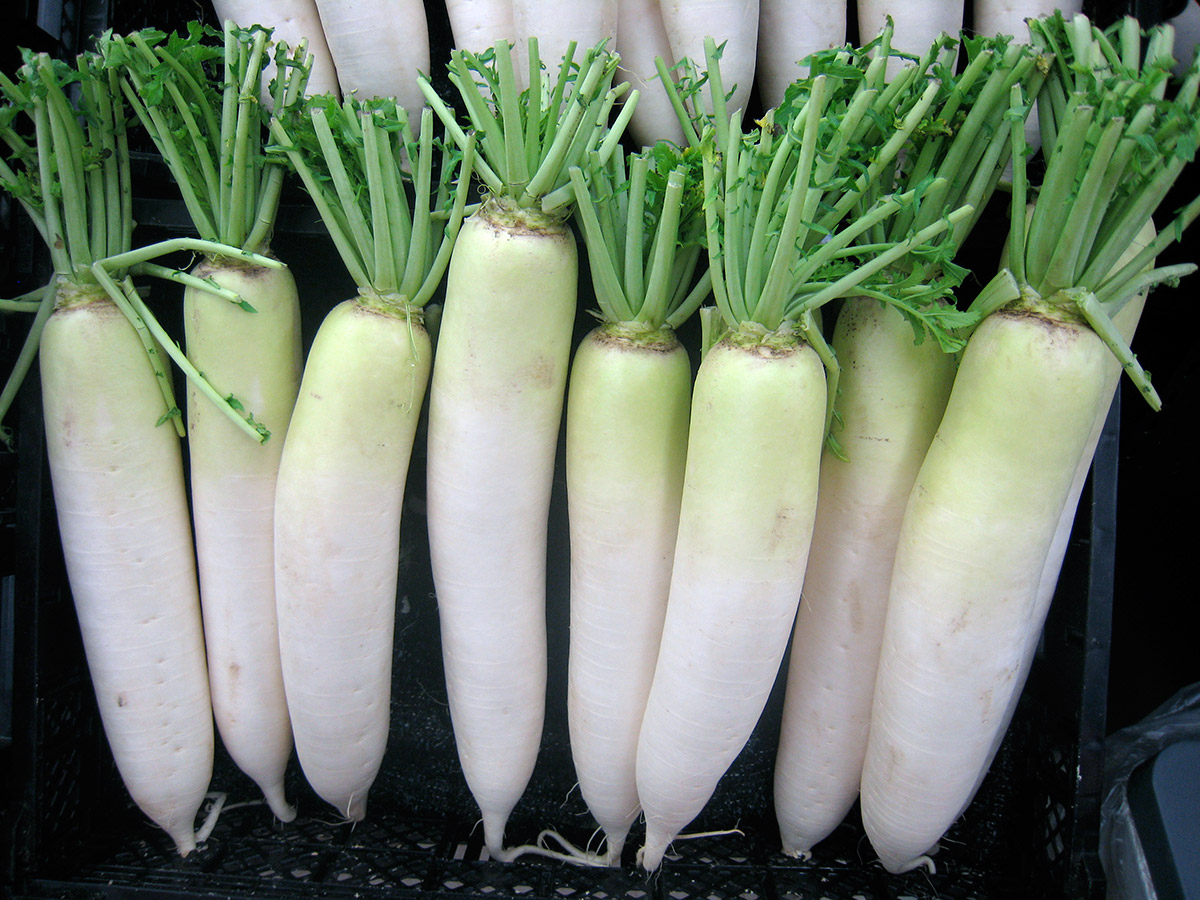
<point>643,224</point>
<point>528,140</point>
<point>198,95</point>
<point>358,160</point>
<point>67,162</point>
<point>1116,138</point>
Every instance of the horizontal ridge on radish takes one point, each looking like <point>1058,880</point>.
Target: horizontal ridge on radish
<point>211,132</point>
<point>964,608</point>
<point>777,250</point>
<point>345,462</point>
<point>626,442</point>
<point>496,403</point>
<point>895,347</point>
<point>115,464</point>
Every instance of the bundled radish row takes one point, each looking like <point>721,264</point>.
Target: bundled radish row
<point>887,488</point>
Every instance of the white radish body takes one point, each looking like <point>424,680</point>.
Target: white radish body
<point>641,37</point>
<point>494,414</point>
<point>337,542</point>
<point>749,498</point>
<point>732,22</point>
<point>379,49</point>
<point>555,24</point>
<point>627,423</point>
<point>477,25</point>
<point>970,558</point>
<point>123,517</point>
<point>256,357</point>
<point>787,33</point>
<point>891,396</point>
<point>291,21</point>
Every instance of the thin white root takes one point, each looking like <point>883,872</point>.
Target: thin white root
<point>925,862</point>
<point>572,854</point>
<point>704,834</point>
<point>210,820</point>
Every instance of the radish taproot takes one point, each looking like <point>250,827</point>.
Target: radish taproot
<point>778,249</point>
<point>892,394</point>
<point>626,442</point>
<point>207,124</point>
<point>992,491</point>
<point>345,461</point>
<point>290,21</point>
<point>496,402</point>
<point>112,439</point>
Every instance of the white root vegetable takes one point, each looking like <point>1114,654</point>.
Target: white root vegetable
<point>127,542</point>
<point>891,399</point>
<point>248,349</point>
<point>627,417</point>
<point>787,33</point>
<point>626,443</point>
<point>233,483</point>
<point>744,531</point>
<point>759,418</point>
<point>969,584</point>
<point>556,25</point>
<point>733,23</point>
<point>378,49</point>
<point>337,534</point>
<point>892,393</point>
<point>970,556</point>
<point>345,464</point>
<point>495,408</point>
<point>477,25</point>
<point>641,38</point>
<point>290,21</point>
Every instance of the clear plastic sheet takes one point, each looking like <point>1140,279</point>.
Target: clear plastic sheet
<point>1121,853</point>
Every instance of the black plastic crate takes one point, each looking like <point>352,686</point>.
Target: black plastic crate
<point>68,829</point>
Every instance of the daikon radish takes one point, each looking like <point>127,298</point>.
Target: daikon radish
<point>495,407</point>
<point>557,25</point>
<point>478,25</point>
<point>641,38</point>
<point>759,417</point>
<point>891,399</point>
<point>345,462</point>
<point>115,468</point>
<point>210,131</point>
<point>732,23</point>
<point>290,21</point>
<point>378,49</point>
<point>787,33</point>
<point>626,441</point>
<point>991,493</point>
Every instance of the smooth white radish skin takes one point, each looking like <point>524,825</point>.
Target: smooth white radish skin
<point>494,414</point>
<point>477,25</point>
<point>291,21</point>
<point>555,24</point>
<point>641,37</point>
<point>891,396</point>
<point>788,32</point>
<point>749,498</point>
<point>256,357</point>
<point>917,24</point>
<point>732,22</point>
<point>378,49</point>
<point>972,549</point>
<point>127,541</point>
<point>627,423</point>
<point>337,542</point>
